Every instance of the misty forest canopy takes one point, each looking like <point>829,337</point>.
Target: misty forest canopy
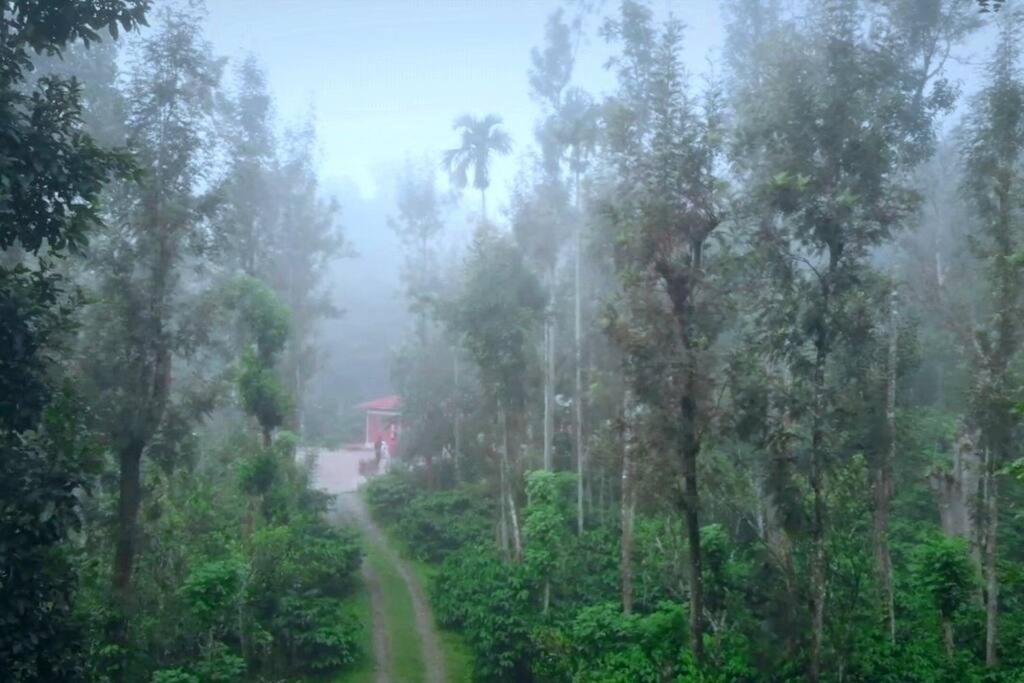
<point>725,385</point>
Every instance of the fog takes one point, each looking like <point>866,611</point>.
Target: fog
<point>511,341</point>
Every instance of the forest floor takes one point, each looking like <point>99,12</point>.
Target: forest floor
<point>406,643</point>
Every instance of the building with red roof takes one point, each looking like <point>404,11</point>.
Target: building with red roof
<point>383,420</point>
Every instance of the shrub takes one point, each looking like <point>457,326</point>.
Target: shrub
<point>436,524</point>
<point>486,599</point>
<point>388,495</point>
<point>317,633</point>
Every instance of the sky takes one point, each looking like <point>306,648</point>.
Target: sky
<point>386,78</point>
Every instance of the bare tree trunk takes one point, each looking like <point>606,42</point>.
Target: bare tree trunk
<point>991,579</point>
<point>503,536</point>
<point>457,419</point>
<point>517,542</point>
<point>681,285</point>
<point>883,482</point>
<point>549,373</point>
<point>691,503</point>
<point>578,395</point>
<point>958,491</point>
<point>628,509</point>
<point>130,489</point>
<point>817,596</point>
<point>947,636</point>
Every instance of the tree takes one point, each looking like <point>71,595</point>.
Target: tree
<point>307,238</point>
<point>481,140</point>
<point>500,303</point>
<point>248,218</point>
<point>578,128</point>
<point>138,261</point>
<point>568,129</point>
<point>418,223</point>
<point>51,178</point>
<point>993,144</point>
<point>669,201</point>
<point>422,375</point>
<point>943,570</point>
<point>549,75</point>
<point>265,323</point>
<point>539,214</point>
<point>849,109</point>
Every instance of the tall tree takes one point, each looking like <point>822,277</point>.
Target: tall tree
<point>248,219</point>
<point>481,140</point>
<point>138,261</point>
<point>549,75</point>
<point>499,305</point>
<point>418,223</point>
<point>51,178</point>
<point>850,107</point>
<point>306,240</point>
<point>578,129</point>
<point>993,149</point>
<point>422,376</point>
<point>669,201</point>
<point>539,218</point>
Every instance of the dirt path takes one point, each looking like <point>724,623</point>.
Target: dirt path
<point>381,637</point>
<point>430,643</point>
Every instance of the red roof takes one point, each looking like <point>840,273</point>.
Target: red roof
<point>384,403</point>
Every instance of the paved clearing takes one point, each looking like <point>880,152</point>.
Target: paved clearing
<point>337,470</point>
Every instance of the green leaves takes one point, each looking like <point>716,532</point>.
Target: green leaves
<point>212,589</point>
<point>263,394</point>
<point>943,570</point>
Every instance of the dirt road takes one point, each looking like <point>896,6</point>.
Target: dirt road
<point>352,506</point>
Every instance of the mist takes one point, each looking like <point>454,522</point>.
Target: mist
<point>534,341</point>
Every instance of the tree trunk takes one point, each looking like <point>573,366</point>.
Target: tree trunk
<point>883,482</point>
<point>817,596</point>
<point>457,419</point>
<point>549,373</point>
<point>130,459</point>
<point>628,509</point>
<point>947,636</point>
<point>991,579</point>
<point>517,543</point>
<point>503,535</point>
<point>681,285</point>
<point>691,503</point>
<point>777,537</point>
<point>578,352</point>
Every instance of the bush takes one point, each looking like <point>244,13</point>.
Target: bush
<point>388,495</point>
<point>212,589</point>
<point>173,676</point>
<point>437,524</point>
<point>318,634</point>
<point>486,599</point>
<point>607,645</point>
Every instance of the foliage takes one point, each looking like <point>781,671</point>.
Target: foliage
<point>944,573</point>
<point>51,177</point>
<point>751,312</point>
<point>436,525</point>
<point>486,599</point>
<point>262,393</point>
<point>387,496</point>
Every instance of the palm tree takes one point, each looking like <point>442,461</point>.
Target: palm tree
<point>480,139</point>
